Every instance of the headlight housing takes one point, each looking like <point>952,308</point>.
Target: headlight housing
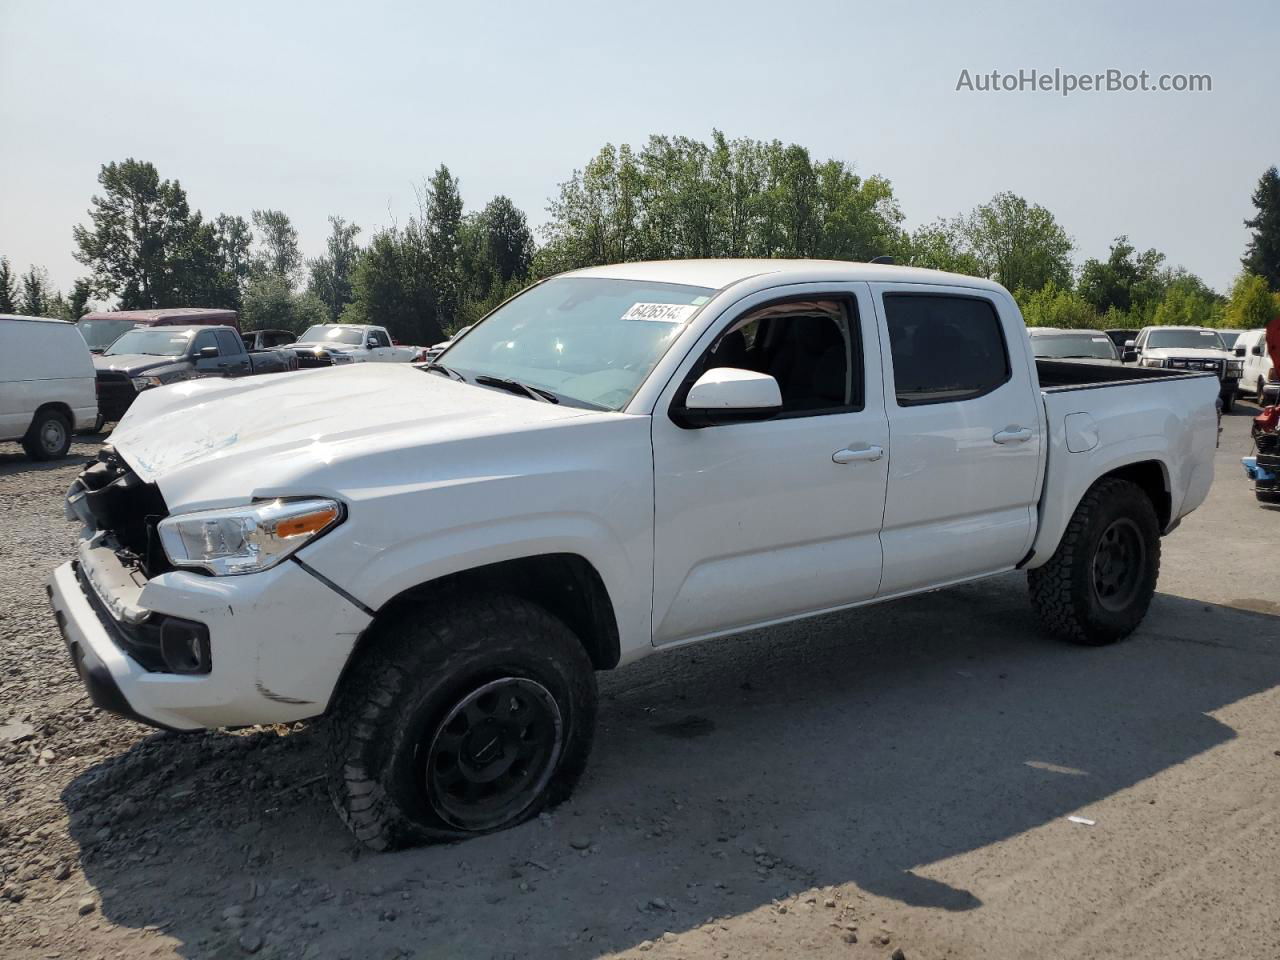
<point>146,383</point>
<point>1153,362</point>
<point>246,539</point>
<point>1235,368</point>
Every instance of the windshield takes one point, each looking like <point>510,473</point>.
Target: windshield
<point>98,334</point>
<point>323,333</point>
<point>585,339</point>
<point>155,343</point>
<point>1093,345</point>
<point>1190,337</point>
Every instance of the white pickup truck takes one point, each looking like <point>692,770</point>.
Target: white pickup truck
<point>618,461</point>
<point>334,344</point>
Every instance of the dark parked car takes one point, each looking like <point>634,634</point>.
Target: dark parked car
<point>152,357</point>
<point>101,328</point>
<point>256,340</point>
<point>1121,337</point>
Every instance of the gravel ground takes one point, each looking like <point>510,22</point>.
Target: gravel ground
<point>891,782</point>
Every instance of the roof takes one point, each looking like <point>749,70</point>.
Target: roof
<point>160,314</point>
<point>718,274</point>
<point>16,316</point>
<point>1054,331</point>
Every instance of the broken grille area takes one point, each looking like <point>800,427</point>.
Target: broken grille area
<point>128,509</point>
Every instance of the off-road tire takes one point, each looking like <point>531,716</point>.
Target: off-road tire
<point>1229,402</point>
<point>48,437</point>
<point>1064,590</point>
<point>416,669</point>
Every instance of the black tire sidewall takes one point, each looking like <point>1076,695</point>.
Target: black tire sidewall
<point>524,641</point>
<point>1100,624</point>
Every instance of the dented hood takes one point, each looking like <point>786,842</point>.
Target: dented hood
<point>221,441</point>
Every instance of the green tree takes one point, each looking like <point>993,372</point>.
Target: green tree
<point>331,272</point>
<point>1054,306</point>
<point>391,286</point>
<point>78,301</point>
<point>37,295</point>
<point>1018,243</point>
<point>269,304</point>
<point>1251,303</point>
<point>495,248</point>
<point>277,254</point>
<point>1127,280</point>
<point>1262,254</point>
<point>139,223</point>
<point>440,226</point>
<point>1187,302</point>
<point>941,246</point>
<point>8,288</point>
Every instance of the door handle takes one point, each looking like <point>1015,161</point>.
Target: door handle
<point>1013,434</point>
<point>852,456</point>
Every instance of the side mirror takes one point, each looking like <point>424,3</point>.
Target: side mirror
<point>1240,351</point>
<point>208,353</point>
<point>1129,355</point>
<point>370,343</point>
<point>1257,351</point>
<point>1130,344</point>
<point>729,395</point>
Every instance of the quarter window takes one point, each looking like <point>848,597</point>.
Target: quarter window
<point>945,348</point>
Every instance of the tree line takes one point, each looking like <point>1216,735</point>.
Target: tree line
<point>675,197</point>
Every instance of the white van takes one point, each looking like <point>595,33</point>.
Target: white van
<point>1251,347</point>
<point>47,386</point>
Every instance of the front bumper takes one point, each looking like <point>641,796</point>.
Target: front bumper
<point>278,641</point>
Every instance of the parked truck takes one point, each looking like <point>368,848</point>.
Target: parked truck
<point>619,461</point>
<point>149,357</point>
<point>335,344</point>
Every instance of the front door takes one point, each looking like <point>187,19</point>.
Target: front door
<point>764,521</point>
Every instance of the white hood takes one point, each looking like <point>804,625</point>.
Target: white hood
<point>223,441</point>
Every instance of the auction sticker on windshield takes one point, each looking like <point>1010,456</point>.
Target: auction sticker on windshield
<point>660,312</point>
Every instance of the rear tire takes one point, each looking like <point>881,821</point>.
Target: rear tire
<point>48,437</point>
<point>1098,584</point>
<point>465,720</point>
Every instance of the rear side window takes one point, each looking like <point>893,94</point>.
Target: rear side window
<point>945,348</point>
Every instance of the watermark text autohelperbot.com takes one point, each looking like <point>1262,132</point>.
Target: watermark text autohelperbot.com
<point>1065,83</point>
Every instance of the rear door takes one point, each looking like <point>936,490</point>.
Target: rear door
<point>965,428</point>
<point>768,520</point>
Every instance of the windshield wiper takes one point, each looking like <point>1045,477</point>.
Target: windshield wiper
<point>515,386</point>
<point>447,371</point>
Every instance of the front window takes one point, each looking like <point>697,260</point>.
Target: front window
<point>1184,339</point>
<point>1066,346</point>
<point>323,333</point>
<point>99,334</point>
<point>1229,338</point>
<point>154,343</point>
<point>587,340</point>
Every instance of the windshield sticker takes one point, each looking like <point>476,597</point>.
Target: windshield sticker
<point>1207,333</point>
<point>660,312</point>
<point>1099,339</point>
<point>699,301</point>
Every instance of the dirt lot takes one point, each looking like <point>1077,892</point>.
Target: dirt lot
<point>894,779</point>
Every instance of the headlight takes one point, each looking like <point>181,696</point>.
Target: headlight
<point>246,539</point>
<point>1235,368</point>
<point>1153,363</point>
<point>1179,364</point>
<point>145,383</point>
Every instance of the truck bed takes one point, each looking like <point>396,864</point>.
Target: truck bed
<point>1060,375</point>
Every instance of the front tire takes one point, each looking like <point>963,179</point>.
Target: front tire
<point>1228,401</point>
<point>466,720</point>
<point>1098,584</point>
<point>48,437</point>
<point>1262,393</point>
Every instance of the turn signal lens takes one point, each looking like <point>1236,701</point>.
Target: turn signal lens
<point>308,523</point>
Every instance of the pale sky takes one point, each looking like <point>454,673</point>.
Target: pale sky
<point>325,108</point>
